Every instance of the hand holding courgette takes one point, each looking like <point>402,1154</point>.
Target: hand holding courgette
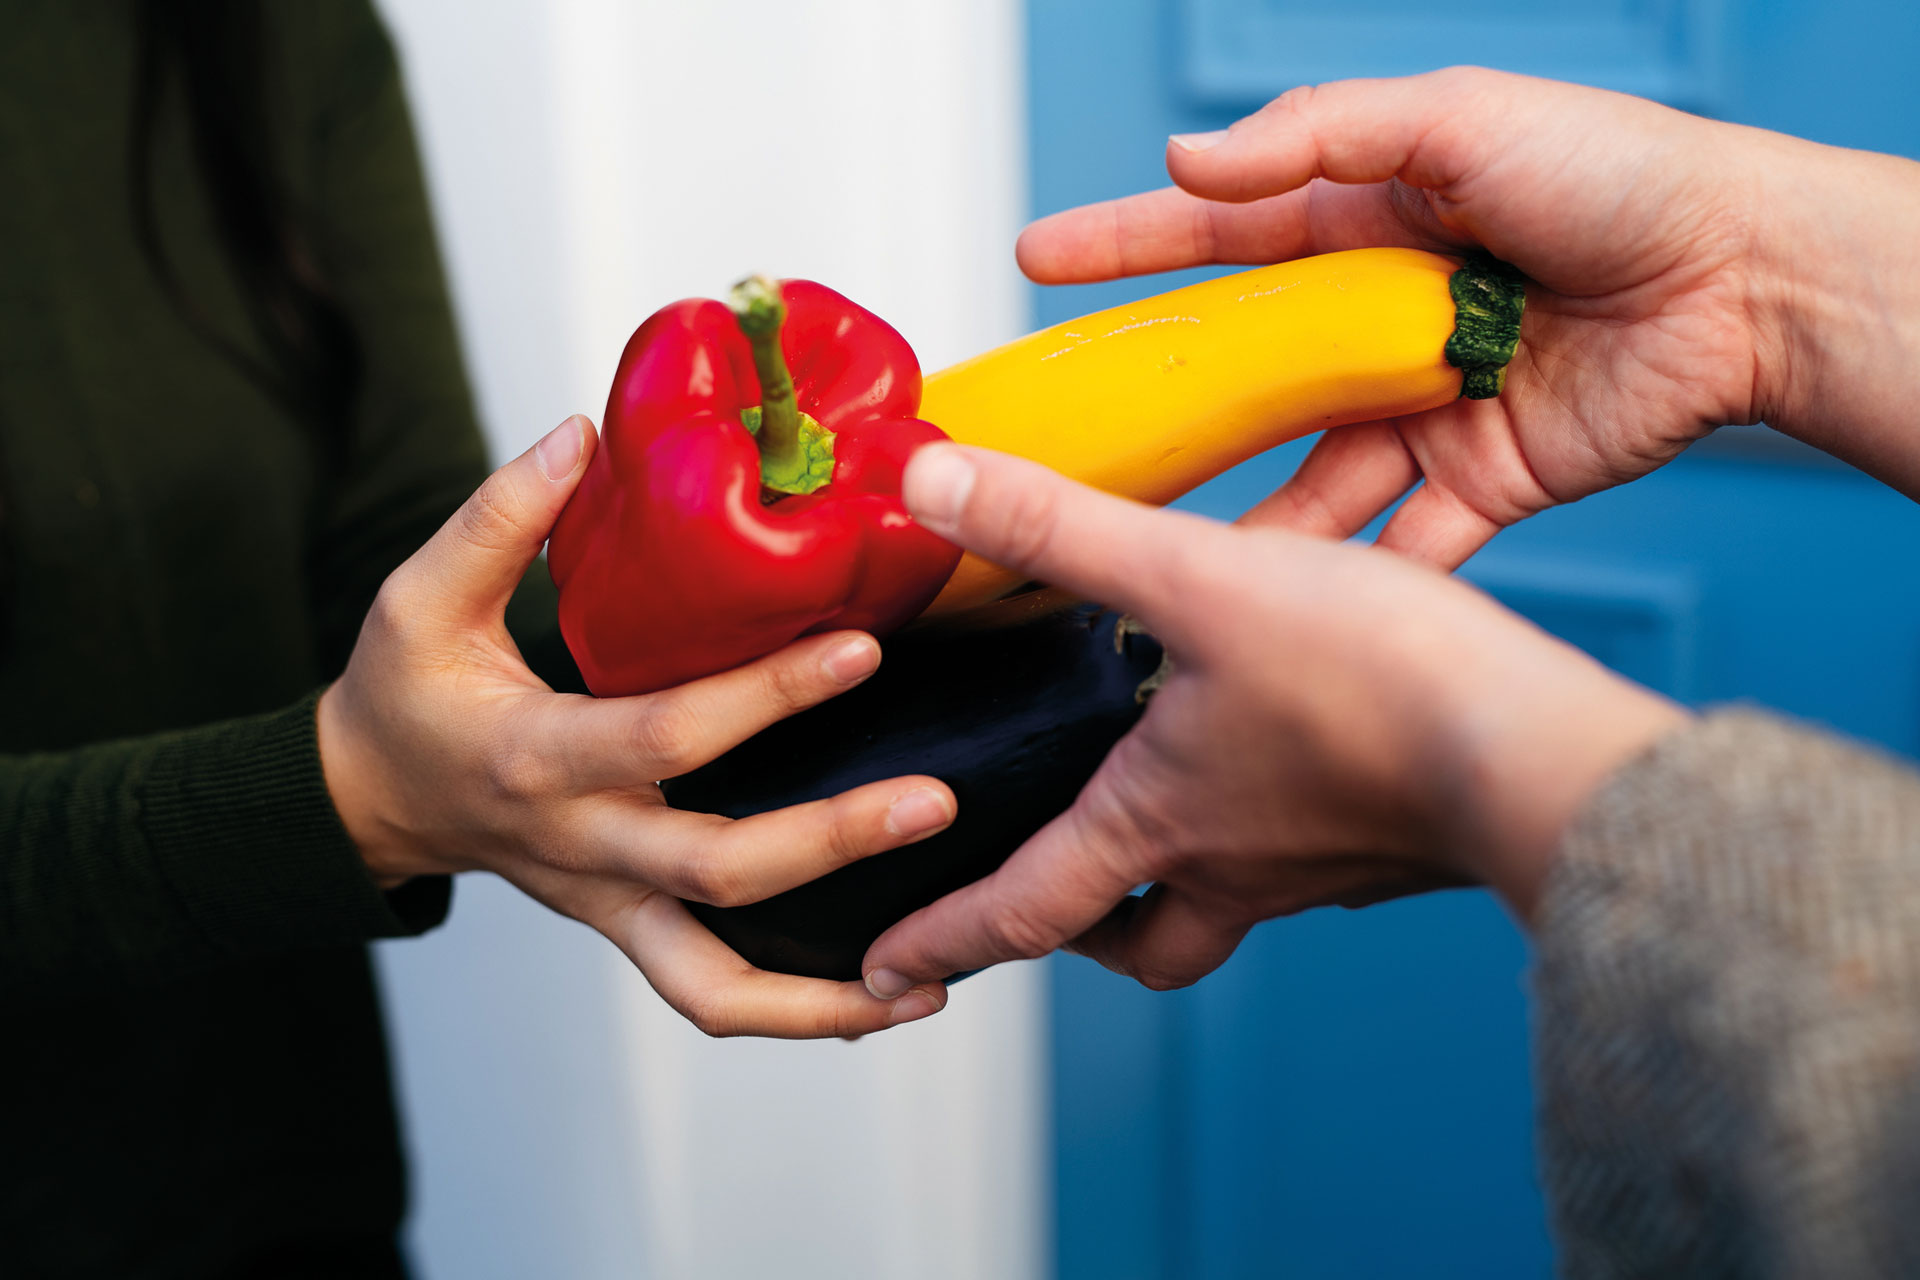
<point>1152,399</point>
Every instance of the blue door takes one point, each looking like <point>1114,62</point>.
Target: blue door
<point>1349,1096</point>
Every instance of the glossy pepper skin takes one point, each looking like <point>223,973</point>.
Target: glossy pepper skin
<point>669,565</point>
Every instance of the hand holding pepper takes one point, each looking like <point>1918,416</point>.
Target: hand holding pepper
<point>748,491</point>
<point>444,753</point>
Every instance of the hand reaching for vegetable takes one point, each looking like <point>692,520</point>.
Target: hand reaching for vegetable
<point>444,753</point>
<point>1340,725</point>
<point>1690,273</point>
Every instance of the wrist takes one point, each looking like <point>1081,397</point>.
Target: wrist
<point>1527,751</point>
<point>357,797</point>
<point>1836,299</point>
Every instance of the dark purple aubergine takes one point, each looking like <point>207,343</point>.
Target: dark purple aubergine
<point>1014,719</point>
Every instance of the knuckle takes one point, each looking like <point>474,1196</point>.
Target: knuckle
<point>492,519</point>
<point>1188,562</point>
<point>1464,78</point>
<point>1028,522</point>
<point>1205,230</point>
<point>1157,977</point>
<point>844,839</point>
<point>1294,102</point>
<point>790,686</point>
<point>518,775</point>
<point>1124,822</point>
<point>560,865</point>
<point>1463,89</point>
<point>561,854</point>
<point>665,734</point>
<point>711,1015</point>
<point>392,613</point>
<point>834,1018</point>
<point>715,878</point>
<point>1020,933</point>
<point>1415,206</point>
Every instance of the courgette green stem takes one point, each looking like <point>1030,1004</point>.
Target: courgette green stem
<point>1489,298</point>
<point>796,453</point>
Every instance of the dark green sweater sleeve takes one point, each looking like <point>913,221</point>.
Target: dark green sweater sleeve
<point>141,856</point>
<point>144,859</point>
<point>414,450</point>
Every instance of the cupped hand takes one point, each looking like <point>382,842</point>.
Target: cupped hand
<point>1657,312</point>
<point>444,753</point>
<point>1341,725</point>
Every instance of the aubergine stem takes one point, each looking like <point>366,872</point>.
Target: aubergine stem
<point>1132,626</point>
<point>796,453</point>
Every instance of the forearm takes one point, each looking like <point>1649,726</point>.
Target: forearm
<point>1524,730</point>
<point>138,860</point>
<point>1838,289</point>
<point>1728,1000</point>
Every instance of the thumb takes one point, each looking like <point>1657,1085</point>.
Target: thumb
<point>480,554</point>
<point>1055,887</point>
<point>1050,529</point>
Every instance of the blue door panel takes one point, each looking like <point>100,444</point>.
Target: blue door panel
<point>1405,1020</point>
<point>1232,52</point>
<point>1349,1097</point>
<point>1120,1124</point>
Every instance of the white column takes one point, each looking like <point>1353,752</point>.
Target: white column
<point>591,160</point>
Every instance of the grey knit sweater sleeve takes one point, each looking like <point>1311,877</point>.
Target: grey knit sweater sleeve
<point>1728,1012</point>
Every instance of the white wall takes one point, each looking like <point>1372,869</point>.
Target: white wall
<point>591,160</point>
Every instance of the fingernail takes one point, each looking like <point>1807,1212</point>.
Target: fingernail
<point>852,661</point>
<point>919,811</point>
<point>939,478</point>
<point>558,452</point>
<point>885,984</point>
<point>1199,141</point>
<point>913,1007</point>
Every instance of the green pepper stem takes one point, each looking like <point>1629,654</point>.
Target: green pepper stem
<point>760,311</point>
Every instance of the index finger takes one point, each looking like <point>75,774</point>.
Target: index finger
<point>1243,193</point>
<point>730,862</point>
<point>1046,527</point>
<point>1351,131</point>
<point>621,742</point>
<point>1168,229</point>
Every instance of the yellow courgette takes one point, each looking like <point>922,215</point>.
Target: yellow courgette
<point>1151,399</point>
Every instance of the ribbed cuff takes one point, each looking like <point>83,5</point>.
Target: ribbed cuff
<point>239,820</point>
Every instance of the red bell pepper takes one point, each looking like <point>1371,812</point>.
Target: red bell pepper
<point>732,507</point>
